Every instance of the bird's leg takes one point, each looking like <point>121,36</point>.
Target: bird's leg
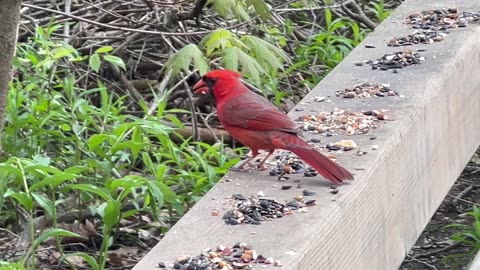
<point>260,166</point>
<point>246,161</point>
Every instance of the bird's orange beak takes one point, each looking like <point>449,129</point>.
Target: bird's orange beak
<point>200,88</point>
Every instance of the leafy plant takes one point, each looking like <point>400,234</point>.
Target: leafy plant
<point>380,11</point>
<point>248,54</point>
<point>95,60</point>
<point>325,50</point>
<point>64,142</point>
<point>469,235</point>
<point>240,8</point>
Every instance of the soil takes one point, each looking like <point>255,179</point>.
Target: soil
<point>435,248</point>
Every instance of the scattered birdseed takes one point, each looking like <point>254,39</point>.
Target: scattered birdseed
<point>345,145</point>
<point>319,99</point>
<point>361,153</point>
<point>397,60</point>
<point>239,256</point>
<point>366,90</point>
<point>307,192</point>
<point>441,19</point>
<point>288,163</point>
<point>254,210</point>
<point>344,122</point>
<point>418,37</point>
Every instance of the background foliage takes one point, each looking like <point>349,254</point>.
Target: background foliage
<point>102,145</point>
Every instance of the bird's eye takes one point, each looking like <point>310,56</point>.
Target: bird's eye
<point>209,81</point>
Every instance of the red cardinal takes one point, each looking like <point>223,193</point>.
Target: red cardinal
<point>258,124</point>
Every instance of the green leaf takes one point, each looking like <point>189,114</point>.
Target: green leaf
<point>223,7</point>
<point>181,60</point>
<point>42,159</point>
<point>53,180</point>
<point>261,8</point>
<point>53,233</point>
<point>116,61</point>
<point>47,204</point>
<point>156,193</point>
<point>11,266</point>
<point>104,49</point>
<point>97,139</point>
<point>10,168</point>
<point>111,214</point>
<point>235,58</point>
<point>89,259</point>
<point>219,39</point>
<point>94,62</point>
<point>92,189</point>
<point>23,198</point>
<point>168,194</point>
<point>61,52</point>
<point>77,169</point>
<point>266,54</point>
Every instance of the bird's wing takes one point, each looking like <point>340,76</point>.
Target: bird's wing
<point>253,112</point>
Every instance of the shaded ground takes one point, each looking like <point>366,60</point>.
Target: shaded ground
<point>434,249</point>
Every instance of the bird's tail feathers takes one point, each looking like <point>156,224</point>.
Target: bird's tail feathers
<point>325,166</point>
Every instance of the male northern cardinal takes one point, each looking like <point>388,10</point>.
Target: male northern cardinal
<point>258,124</point>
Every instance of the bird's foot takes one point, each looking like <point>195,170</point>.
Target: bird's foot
<point>262,167</point>
<point>237,169</point>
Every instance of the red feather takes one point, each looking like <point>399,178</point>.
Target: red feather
<point>256,123</point>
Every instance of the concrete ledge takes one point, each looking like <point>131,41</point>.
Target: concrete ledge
<point>376,219</point>
<point>475,264</point>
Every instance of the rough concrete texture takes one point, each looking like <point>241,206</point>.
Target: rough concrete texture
<point>374,220</point>
<point>475,265</point>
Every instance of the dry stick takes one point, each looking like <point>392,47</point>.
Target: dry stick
<point>463,200</point>
<point>357,14</point>
<point>160,93</point>
<point>48,18</point>
<point>193,109</point>
<point>462,194</point>
<point>111,12</point>
<point>130,29</point>
<point>336,5</point>
<point>66,28</point>
<point>197,10</point>
<point>130,38</point>
<point>136,30</point>
<point>149,4</point>
<point>134,70</point>
<point>412,259</point>
<point>205,121</point>
<point>296,33</point>
<point>433,252</point>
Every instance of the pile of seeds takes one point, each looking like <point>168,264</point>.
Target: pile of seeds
<point>441,19</point>
<point>397,60</point>
<point>288,163</point>
<point>343,121</point>
<point>255,209</point>
<point>239,256</point>
<point>366,90</point>
<point>418,37</point>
